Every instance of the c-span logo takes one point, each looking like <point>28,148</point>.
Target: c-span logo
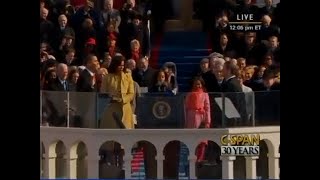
<point>240,145</point>
<point>161,110</point>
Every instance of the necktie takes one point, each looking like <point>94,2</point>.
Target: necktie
<point>65,85</point>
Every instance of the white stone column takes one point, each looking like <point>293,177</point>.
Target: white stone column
<point>192,166</point>
<point>71,166</point>
<point>93,166</point>
<point>251,167</point>
<point>127,165</point>
<point>227,166</point>
<point>273,162</point>
<point>160,159</point>
<point>50,166</point>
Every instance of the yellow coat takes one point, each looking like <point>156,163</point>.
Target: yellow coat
<point>120,86</point>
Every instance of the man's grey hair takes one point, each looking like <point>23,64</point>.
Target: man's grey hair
<point>61,65</point>
<point>215,55</point>
<point>234,61</point>
<point>131,61</point>
<point>219,61</point>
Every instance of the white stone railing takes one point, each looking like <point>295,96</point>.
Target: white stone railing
<point>93,139</point>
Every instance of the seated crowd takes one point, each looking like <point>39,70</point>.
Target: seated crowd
<point>108,51</point>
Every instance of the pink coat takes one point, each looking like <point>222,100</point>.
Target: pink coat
<point>193,117</point>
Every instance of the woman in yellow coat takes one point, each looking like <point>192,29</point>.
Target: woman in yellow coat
<point>119,85</point>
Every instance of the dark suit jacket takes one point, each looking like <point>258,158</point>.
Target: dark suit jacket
<point>264,10</point>
<point>254,55</point>
<point>274,87</point>
<point>46,30</point>
<point>233,91</point>
<point>216,31</point>
<point>226,52</point>
<point>146,79</point>
<point>231,85</point>
<point>276,16</point>
<point>267,32</point>
<point>57,86</point>
<point>211,82</point>
<point>83,83</point>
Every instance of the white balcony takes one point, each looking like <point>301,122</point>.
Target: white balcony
<point>74,152</point>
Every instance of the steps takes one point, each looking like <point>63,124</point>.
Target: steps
<point>185,49</point>
<point>138,170</point>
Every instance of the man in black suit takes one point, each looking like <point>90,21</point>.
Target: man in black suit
<point>267,29</point>
<point>213,88</point>
<point>211,82</point>
<point>87,80</point>
<point>61,83</point>
<point>269,81</point>
<point>144,75</point>
<point>62,31</point>
<point>267,100</point>
<point>230,82</point>
<point>233,90</point>
<point>267,9</point>
<point>252,50</point>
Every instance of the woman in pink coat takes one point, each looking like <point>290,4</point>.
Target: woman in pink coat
<point>197,109</point>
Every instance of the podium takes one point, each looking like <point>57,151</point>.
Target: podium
<point>160,111</point>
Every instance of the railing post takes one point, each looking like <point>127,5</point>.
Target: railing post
<point>274,166</point>
<point>41,108</point>
<point>127,165</point>
<point>192,166</point>
<point>93,166</point>
<point>251,168</point>
<point>227,166</point>
<point>68,109</point>
<point>71,165</point>
<point>223,110</point>
<point>50,166</point>
<point>160,159</point>
<point>253,110</point>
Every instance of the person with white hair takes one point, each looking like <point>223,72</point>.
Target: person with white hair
<point>211,82</point>
<point>267,29</point>
<point>234,61</point>
<point>46,26</point>
<point>227,58</point>
<point>218,62</point>
<point>130,64</point>
<point>110,15</point>
<point>215,54</point>
<point>61,83</point>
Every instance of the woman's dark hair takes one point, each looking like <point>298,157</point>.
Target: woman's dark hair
<point>115,62</point>
<point>256,72</point>
<point>46,79</point>
<point>199,78</point>
<point>224,34</point>
<point>70,74</point>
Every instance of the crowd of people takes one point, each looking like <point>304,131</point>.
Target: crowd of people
<point>83,49</point>
<point>88,50</point>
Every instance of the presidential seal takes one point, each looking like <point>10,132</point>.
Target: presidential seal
<point>161,110</point>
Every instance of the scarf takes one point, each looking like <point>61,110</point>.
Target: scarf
<point>135,55</point>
